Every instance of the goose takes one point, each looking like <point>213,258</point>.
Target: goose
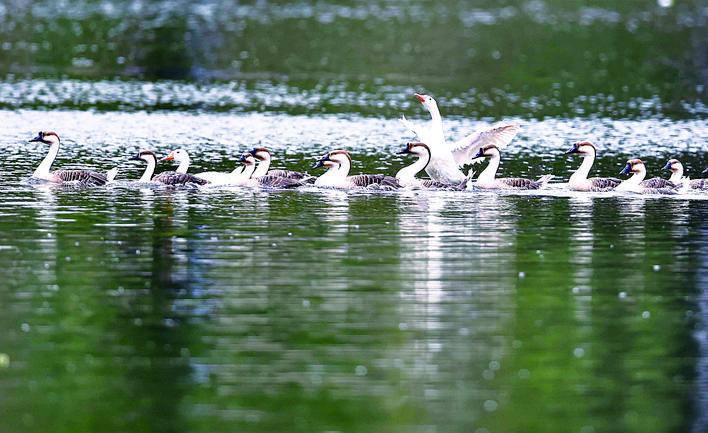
<point>76,176</point>
<point>579,180</point>
<point>446,158</point>
<point>167,177</point>
<point>636,183</point>
<point>250,178</point>
<point>182,157</point>
<point>676,168</point>
<point>487,178</point>
<point>406,175</point>
<point>264,159</point>
<point>338,163</point>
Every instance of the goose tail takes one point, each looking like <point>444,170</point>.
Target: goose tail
<point>543,180</point>
<point>111,174</point>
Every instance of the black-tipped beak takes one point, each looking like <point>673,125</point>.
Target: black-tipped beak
<point>480,154</point>
<point>242,158</point>
<point>571,150</point>
<point>135,157</point>
<point>403,151</point>
<point>627,168</point>
<point>39,137</point>
<point>321,161</point>
<point>253,151</point>
<point>667,166</point>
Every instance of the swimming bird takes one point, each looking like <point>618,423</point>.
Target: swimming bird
<point>167,177</point>
<point>338,163</point>
<point>446,158</point>
<point>264,159</point>
<point>406,175</point>
<point>76,176</point>
<point>676,168</point>
<point>249,176</point>
<point>579,180</point>
<point>487,178</point>
<point>636,183</point>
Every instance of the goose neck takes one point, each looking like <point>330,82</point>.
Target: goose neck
<point>409,172</point>
<point>42,170</point>
<point>581,174</point>
<point>263,167</point>
<point>488,174</point>
<point>149,170</point>
<point>183,165</point>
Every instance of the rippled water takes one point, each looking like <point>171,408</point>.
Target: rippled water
<point>133,309</point>
<point>314,310</point>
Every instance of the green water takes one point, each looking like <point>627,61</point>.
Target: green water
<point>136,309</point>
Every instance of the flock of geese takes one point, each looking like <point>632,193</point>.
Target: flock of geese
<point>442,161</point>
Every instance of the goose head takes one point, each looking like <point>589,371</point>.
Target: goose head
<point>583,148</point>
<point>247,159</point>
<point>335,158</point>
<point>144,155</point>
<point>427,101</point>
<point>260,153</point>
<point>415,148</point>
<point>488,151</point>
<point>633,166</point>
<point>46,137</point>
<point>178,155</point>
<point>673,165</point>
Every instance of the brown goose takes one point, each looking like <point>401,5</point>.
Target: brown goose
<point>676,168</point>
<point>167,177</point>
<point>339,163</point>
<point>487,180</point>
<point>80,176</point>
<point>406,175</point>
<point>636,183</point>
<point>264,159</point>
<point>579,180</point>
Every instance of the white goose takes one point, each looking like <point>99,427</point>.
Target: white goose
<point>447,158</point>
<point>636,183</point>
<point>80,177</point>
<point>676,168</point>
<point>167,177</point>
<point>579,180</point>
<point>338,163</point>
<point>406,175</point>
<point>487,180</point>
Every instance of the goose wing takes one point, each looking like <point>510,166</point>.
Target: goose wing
<point>366,180</point>
<point>86,177</point>
<point>434,184</point>
<point>174,178</point>
<point>500,135</point>
<point>657,182</point>
<point>604,183</point>
<point>289,174</point>
<point>520,183</point>
<point>278,181</point>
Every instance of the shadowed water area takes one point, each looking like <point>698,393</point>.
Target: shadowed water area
<point>131,308</point>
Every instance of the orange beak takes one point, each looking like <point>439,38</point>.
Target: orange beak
<point>419,97</point>
<point>169,157</point>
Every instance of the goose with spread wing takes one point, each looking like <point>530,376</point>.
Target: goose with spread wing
<point>80,177</point>
<point>447,158</point>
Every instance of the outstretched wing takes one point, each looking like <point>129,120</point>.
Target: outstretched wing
<point>464,151</point>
